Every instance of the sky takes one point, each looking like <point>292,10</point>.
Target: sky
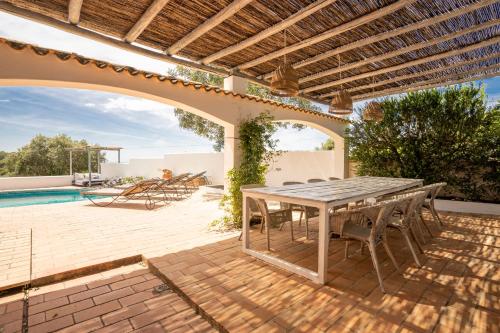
<point>145,129</point>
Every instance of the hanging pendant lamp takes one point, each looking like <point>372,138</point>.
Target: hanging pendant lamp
<point>373,110</point>
<point>341,103</point>
<point>285,81</point>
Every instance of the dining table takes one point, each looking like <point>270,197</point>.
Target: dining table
<point>325,196</point>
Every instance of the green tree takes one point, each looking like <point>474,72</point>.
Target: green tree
<point>47,156</point>
<point>213,131</point>
<point>438,135</point>
<point>327,145</point>
<point>257,150</point>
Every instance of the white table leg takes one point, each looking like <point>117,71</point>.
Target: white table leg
<point>246,222</point>
<point>323,244</point>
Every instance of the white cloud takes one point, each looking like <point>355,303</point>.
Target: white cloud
<point>4,100</point>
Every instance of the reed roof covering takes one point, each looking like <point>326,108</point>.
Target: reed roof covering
<point>383,46</point>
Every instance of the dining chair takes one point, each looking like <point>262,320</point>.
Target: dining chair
<point>274,218</point>
<point>406,220</point>
<point>258,208</point>
<point>315,180</point>
<point>294,207</point>
<point>430,202</point>
<point>368,225</point>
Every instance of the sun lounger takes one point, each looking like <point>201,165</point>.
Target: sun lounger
<point>143,190</point>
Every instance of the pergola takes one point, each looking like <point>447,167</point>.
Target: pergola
<point>89,150</point>
<point>370,48</point>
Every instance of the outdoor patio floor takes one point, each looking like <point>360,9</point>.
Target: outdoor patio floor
<point>119,300</point>
<point>70,236</point>
<point>456,290</point>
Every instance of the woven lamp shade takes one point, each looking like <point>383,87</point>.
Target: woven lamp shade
<point>285,81</point>
<point>373,111</point>
<point>341,103</point>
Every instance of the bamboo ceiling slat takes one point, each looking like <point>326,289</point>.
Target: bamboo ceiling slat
<point>377,40</point>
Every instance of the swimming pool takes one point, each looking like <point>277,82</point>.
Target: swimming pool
<point>38,197</point>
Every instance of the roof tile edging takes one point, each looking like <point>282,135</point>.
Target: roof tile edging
<point>84,61</point>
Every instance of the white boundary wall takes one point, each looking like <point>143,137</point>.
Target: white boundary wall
<point>297,165</point>
<point>19,183</point>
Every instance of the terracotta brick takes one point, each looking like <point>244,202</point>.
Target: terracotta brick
<point>151,317</point>
<point>64,292</point>
<point>13,306</point>
<point>154,328</point>
<point>124,313</point>
<point>36,319</point>
<point>99,283</point>
<point>127,282</point>
<point>86,326</point>
<point>119,327</point>
<point>12,327</point>
<point>45,306</point>
<point>96,311</point>
<point>52,325</point>
<point>136,298</point>
<point>149,284</point>
<point>116,294</point>
<point>69,309</point>
<point>89,293</point>
<point>11,316</point>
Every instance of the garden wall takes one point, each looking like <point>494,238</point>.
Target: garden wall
<point>297,165</point>
<point>17,183</point>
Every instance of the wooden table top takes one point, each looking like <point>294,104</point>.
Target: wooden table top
<point>344,190</point>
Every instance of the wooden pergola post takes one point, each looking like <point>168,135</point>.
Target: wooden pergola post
<point>71,162</point>
<point>89,161</point>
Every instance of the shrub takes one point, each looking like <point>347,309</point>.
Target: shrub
<point>439,135</point>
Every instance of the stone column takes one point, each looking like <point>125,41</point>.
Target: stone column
<point>232,150</point>
<point>341,158</point>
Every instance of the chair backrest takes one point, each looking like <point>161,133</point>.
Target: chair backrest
<point>333,178</point>
<point>252,203</point>
<point>140,187</point>
<point>292,183</point>
<point>434,189</point>
<point>315,180</point>
<point>410,205</point>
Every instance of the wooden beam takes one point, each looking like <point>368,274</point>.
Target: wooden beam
<point>74,9</point>
<point>212,22</point>
<point>411,48</point>
<point>145,20</point>
<point>414,75</point>
<point>415,62</point>
<point>440,82</point>
<point>389,34</point>
<point>289,21</point>
<point>329,33</point>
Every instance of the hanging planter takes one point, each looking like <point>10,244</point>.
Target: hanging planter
<point>341,103</point>
<point>373,111</point>
<point>285,80</point>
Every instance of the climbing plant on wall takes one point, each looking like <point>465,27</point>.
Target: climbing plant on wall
<point>257,150</point>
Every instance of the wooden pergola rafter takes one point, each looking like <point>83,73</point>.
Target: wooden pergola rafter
<point>243,37</point>
<point>433,71</point>
<point>474,75</point>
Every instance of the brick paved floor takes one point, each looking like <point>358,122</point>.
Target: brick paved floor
<point>69,236</point>
<point>108,303</point>
<point>456,290</point>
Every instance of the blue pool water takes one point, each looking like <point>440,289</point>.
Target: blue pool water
<point>38,197</point>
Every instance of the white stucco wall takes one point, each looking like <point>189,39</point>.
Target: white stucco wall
<point>298,166</point>
<point>18,183</point>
